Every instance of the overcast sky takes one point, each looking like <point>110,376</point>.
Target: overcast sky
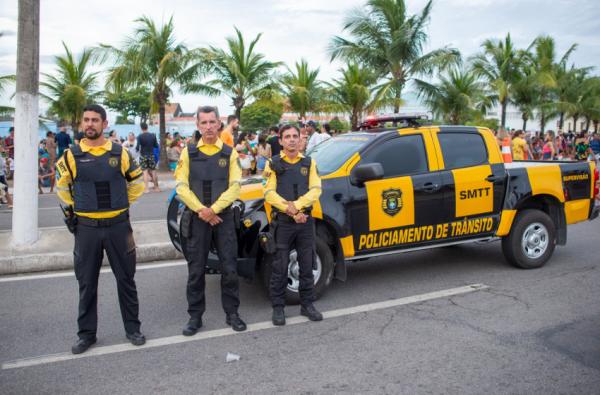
<point>295,29</point>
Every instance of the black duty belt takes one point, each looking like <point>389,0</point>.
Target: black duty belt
<point>103,222</point>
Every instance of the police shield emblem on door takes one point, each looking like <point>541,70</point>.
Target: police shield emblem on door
<point>391,201</point>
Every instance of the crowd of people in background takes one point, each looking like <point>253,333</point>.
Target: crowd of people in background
<point>255,148</point>
<point>549,145</point>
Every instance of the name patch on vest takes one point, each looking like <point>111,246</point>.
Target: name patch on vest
<point>222,162</point>
<point>113,162</point>
<point>304,171</point>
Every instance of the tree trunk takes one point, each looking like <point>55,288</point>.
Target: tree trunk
<point>524,123</point>
<point>596,125</point>
<point>503,115</point>
<point>575,118</point>
<point>561,120</point>
<point>354,120</point>
<point>164,161</point>
<point>587,123</point>
<point>25,212</point>
<point>542,122</point>
<point>238,103</point>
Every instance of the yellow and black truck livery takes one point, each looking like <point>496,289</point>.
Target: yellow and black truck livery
<point>392,190</point>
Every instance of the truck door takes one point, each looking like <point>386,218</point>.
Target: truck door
<point>473,187</point>
<point>400,209</point>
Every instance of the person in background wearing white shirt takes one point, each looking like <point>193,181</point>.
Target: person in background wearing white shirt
<point>315,137</point>
<point>131,145</point>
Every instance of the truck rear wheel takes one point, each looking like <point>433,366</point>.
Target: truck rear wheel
<point>323,272</point>
<point>531,240</point>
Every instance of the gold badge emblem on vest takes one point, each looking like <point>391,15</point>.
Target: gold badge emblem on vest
<point>304,171</point>
<point>113,162</point>
<point>222,162</point>
<point>391,202</point>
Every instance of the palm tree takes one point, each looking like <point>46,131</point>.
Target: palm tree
<point>456,97</point>
<point>391,42</point>
<point>499,66</point>
<point>152,57</point>
<point>354,93</point>
<point>240,72</point>
<point>302,89</point>
<point>550,77</point>
<point>591,102</point>
<point>526,93</point>
<point>6,80</point>
<point>72,86</point>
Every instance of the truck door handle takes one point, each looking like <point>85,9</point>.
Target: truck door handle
<point>429,187</point>
<point>493,178</point>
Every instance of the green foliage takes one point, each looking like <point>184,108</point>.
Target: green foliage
<point>152,57</point>
<point>303,89</point>
<point>239,72</point>
<point>390,43</point>
<point>339,125</point>
<point>478,120</point>
<point>354,93</point>
<point>131,103</point>
<point>457,95</point>
<point>260,116</point>
<point>71,86</point>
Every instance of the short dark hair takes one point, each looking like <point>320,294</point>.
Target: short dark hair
<point>97,109</point>
<point>144,126</point>
<point>285,128</point>
<point>11,129</point>
<point>274,129</point>
<point>327,127</point>
<point>231,118</point>
<point>49,133</point>
<point>207,110</point>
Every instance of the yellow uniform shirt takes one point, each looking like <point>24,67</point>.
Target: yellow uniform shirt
<point>304,201</point>
<point>182,175</point>
<point>519,148</point>
<point>130,170</point>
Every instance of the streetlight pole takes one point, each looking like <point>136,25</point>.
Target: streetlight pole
<point>25,211</point>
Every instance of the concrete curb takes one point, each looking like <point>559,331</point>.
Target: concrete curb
<point>54,249</point>
<point>20,264</point>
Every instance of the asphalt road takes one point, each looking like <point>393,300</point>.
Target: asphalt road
<point>150,206</point>
<point>529,332</point>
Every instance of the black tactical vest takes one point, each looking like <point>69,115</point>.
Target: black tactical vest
<point>209,174</point>
<point>99,184</point>
<point>292,179</point>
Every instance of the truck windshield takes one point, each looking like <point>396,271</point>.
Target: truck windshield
<point>332,153</point>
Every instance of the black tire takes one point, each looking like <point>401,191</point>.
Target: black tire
<point>327,266</point>
<point>539,246</point>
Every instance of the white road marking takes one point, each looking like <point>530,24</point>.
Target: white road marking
<point>165,341</point>
<point>70,273</point>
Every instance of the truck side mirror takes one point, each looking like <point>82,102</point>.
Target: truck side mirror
<point>366,172</point>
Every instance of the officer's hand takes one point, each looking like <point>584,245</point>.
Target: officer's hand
<point>300,218</point>
<point>215,220</point>
<point>206,214</point>
<point>291,209</point>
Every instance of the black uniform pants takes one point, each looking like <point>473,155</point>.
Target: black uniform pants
<point>198,246</point>
<point>90,244</point>
<point>287,235</point>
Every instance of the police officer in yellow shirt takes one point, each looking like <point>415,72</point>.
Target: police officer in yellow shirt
<point>208,181</point>
<point>293,186</point>
<point>100,180</point>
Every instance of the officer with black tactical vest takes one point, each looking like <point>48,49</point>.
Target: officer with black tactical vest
<point>208,181</point>
<point>293,186</point>
<point>100,180</point>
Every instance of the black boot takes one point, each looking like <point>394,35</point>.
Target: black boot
<point>311,312</point>
<point>278,316</point>
<point>235,322</point>
<point>82,345</point>
<point>192,327</point>
<point>136,338</point>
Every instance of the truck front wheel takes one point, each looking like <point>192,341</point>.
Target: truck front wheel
<point>322,272</point>
<point>531,240</point>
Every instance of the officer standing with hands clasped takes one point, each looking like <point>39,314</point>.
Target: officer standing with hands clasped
<point>293,186</point>
<point>208,181</point>
<point>100,180</point>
